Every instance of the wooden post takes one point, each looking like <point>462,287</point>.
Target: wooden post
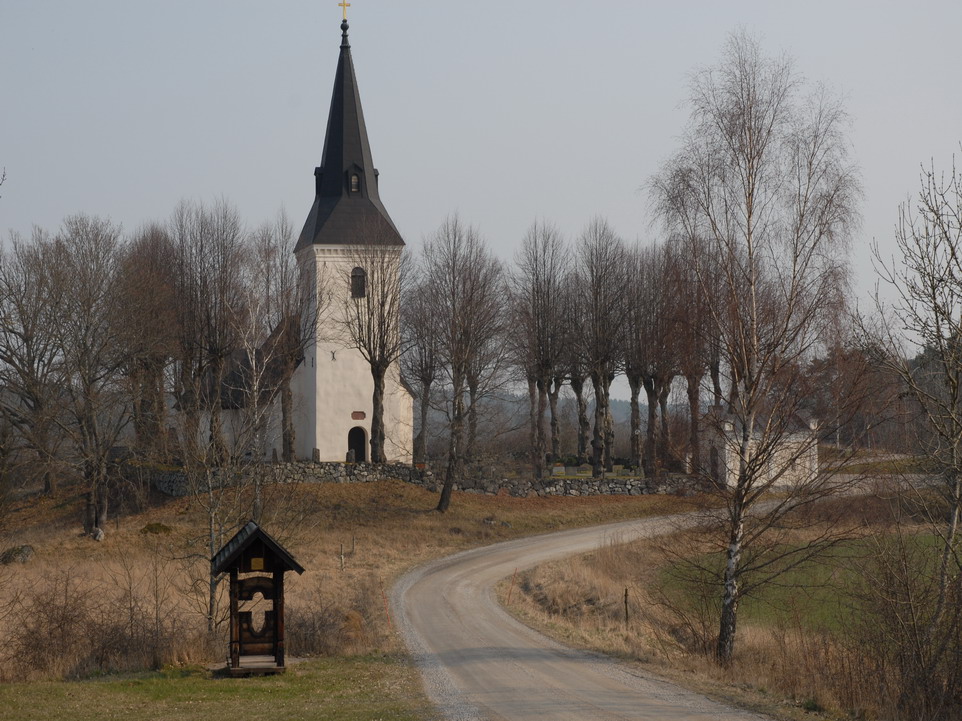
<point>234,620</point>
<point>279,618</point>
<point>626,606</point>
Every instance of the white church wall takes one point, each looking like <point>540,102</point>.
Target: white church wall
<point>335,380</point>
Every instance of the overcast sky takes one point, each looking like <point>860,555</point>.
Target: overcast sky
<point>502,111</point>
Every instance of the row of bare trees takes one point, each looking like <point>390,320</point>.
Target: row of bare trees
<point>564,315</point>
<point>142,341</point>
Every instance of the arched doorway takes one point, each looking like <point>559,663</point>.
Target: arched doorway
<point>357,442</point>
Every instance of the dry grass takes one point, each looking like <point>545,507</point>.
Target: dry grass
<point>784,669</point>
<point>137,599</point>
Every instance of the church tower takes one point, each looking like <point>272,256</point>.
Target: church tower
<point>333,386</point>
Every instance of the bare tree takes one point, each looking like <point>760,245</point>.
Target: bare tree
<point>88,253</point>
<point>764,185</point>
<point>210,250</point>
<point>372,314</point>
<point>289,309</point>
<point>464,287</point>
<point>31,299</point>
<point>420,360</point>
<point>600,268</point>
<point>209,242</point>
<point>489,366</point>
<point>148,332</point>
<point>649,337</point>
<point>696,345</point>
<point>573,363</point>
<point>927,315</point>
<point>537,293</point>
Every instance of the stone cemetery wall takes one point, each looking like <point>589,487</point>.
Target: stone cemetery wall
<point>175,483</point>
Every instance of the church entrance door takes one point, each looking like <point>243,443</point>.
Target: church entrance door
<point>357,442</point>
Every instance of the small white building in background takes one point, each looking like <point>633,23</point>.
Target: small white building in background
<point>792,460</point>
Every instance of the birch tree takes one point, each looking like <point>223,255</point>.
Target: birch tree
<point>762,198</point>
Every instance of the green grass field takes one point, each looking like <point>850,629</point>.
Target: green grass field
<point>342,689</point>
<point>818,595</point>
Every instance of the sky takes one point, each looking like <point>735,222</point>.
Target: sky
<point>504,112</point>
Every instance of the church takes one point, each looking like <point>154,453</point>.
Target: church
<point>333,387</point>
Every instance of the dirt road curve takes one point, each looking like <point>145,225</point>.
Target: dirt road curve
<point>479,663</point>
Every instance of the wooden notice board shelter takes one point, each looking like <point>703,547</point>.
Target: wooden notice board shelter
<point>256,564</point>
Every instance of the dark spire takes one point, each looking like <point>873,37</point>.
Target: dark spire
<point>347,209</point>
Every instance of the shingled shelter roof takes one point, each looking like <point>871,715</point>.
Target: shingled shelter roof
<point>345,210</point>
<point>228,556</point>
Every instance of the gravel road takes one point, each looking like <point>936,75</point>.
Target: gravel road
<point>480,663</point>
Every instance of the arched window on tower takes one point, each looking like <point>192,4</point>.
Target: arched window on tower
<point>355,183</point>
<point>358,283</point>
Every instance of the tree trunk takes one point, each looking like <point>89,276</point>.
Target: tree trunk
<point>212,578</point>
<point>553,393</point>
<point>377,416</point>
<point>665,456</point>
<point>694,413</point>
<point>598,432</point>
<point>49,481</point>
<point>421,439</point>
<point>651,392</point>
<point>730,596</point>
<point>715,371</point>
<point>157,394</point>
<point>634,383</point>
<point>537,467</point>
<point>216,439</point>
<point>949,551</point>
<point>45,455</point>
<point>455,467</point>
<point>287,421</point>
<point>188,397</point>
<point>135,378</point>
<point>609,435</point>
<point>470,448</point>
<point>578,386</point>
<point>542,448</point>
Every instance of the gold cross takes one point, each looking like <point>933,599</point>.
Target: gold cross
<point>344,4</point>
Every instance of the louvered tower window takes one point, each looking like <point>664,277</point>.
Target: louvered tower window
<point>358,283</point>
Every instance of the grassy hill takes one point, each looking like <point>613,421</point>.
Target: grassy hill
<point>98,630</point>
